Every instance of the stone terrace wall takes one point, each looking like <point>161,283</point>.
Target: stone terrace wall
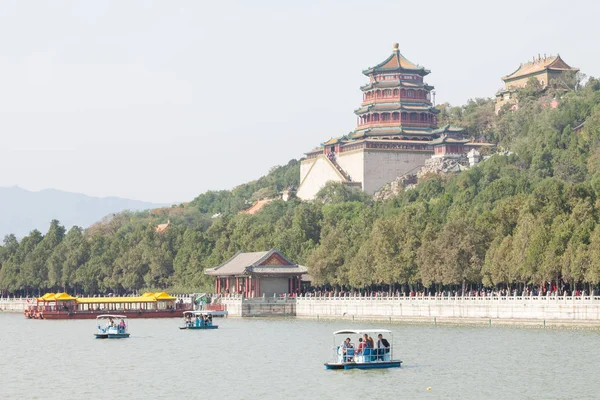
<point>259,307</point>
<point>16,304</point>
<point>584,309</point>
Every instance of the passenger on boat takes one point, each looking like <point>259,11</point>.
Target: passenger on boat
<point>209,319</point>
<point>122,325</point>
<point>368,349</point>
<point>361,346</point>
<point>383,347</point>
<point>348,350</point>
<point>198,321</point>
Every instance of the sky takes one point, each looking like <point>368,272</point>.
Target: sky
<point>163,100</point>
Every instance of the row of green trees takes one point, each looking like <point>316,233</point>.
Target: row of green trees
<point>526,216</point>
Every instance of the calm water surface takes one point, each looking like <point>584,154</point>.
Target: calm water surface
<point>283,359</point>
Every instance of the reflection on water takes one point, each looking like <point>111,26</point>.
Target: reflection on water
<point>283,359</point>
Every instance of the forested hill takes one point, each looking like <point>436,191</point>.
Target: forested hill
<point>22,210</point>
<point>526,216</point>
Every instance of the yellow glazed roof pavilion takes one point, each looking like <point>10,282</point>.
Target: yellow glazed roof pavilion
<point>538,65</point>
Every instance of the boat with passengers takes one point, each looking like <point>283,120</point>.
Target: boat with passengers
<point>65,306</point>
<point>363,349</point>
<point>112,327</point>
<point>198,320</point>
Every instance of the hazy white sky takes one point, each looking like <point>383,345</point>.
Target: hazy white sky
<point>161,101</point>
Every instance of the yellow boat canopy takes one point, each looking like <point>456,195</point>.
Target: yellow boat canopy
<point>46,297</point>
<point>163,296</point>
<point>64,296</point>
<point>145,298</point>
<point>94,300</point>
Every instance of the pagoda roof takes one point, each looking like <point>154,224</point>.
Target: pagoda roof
<point>396,130</point>
<point>332,141</point>
<point>396,62</point>
<point>395,107</point>
<point>449,140</point>
<point>449,130</point>
<point>553,63</point>
<point>394,84</point>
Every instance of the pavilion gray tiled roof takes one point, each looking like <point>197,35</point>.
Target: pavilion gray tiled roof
<point>244,263</point>
<point>278,269</point>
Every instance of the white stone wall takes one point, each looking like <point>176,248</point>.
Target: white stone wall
<point>305,166</point>
<point>15,304</point>
<point>383,166</point>
<point>534,308</point>
<point>320,172</point>
<point>353,163</point>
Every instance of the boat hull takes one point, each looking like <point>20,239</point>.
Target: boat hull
<point>199,327</point>
<point>366,365</point>
<point>111,335</point>
<point>94,314</point>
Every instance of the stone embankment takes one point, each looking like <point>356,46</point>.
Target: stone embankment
<point>514,310</point>
<point>15,304</point>
<point>259,307</point>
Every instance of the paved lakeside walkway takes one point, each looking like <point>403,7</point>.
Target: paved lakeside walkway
<point>506,310</point>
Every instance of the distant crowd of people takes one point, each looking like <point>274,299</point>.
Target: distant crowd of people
<point>552,291</point>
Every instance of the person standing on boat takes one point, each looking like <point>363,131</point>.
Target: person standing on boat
<point>383,346</point>
<point>368,349</point>
<point>346,346</point>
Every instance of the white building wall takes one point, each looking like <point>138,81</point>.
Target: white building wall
<point>305,166</point>
<point>353,163</point>
<point>318,173</point>
<point>383,166</point>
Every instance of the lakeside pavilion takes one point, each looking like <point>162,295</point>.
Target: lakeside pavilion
<point>257,273</point>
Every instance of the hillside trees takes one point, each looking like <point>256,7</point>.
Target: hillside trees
<point>525,217</point>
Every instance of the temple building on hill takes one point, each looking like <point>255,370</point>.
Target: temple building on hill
<point>396,133</point>
<point>544,69</point>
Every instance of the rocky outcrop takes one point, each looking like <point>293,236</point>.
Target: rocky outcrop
<point>436,165</point>
<point>393,188</point>
<point>439,165</point>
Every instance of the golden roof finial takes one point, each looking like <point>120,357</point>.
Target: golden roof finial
<point>396,47</point>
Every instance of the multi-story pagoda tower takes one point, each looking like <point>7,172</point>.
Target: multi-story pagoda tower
<point>396,101</point>
<point>396,133</point>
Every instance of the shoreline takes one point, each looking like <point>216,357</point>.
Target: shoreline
<point>432,321</point>
<point>480,322</point>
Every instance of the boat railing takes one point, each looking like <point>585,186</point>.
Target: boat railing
<point>462,299</point>
<point>365,355</point>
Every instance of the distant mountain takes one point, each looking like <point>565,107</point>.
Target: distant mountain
<point>22,210</point>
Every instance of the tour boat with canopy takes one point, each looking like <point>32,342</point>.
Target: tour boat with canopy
<point>112,327</point>
<point>369,348</point>
<point>148,305</point>
<point>198,320</point>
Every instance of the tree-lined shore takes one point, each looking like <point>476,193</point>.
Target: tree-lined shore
<point>526,216</point>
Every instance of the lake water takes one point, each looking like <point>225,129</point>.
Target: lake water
<point>283,359</point>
